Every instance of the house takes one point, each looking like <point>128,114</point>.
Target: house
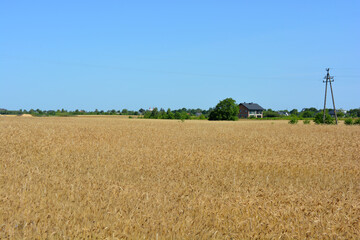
<point>341,111</point>
<point>332,112</point>
<point>250,110</point>
<point>283,113</point>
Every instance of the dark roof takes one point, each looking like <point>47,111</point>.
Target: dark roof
<point>252,106</point>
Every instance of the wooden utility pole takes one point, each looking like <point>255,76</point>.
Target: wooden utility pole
<point>329,79</point>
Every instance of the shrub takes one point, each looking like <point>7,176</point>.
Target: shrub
<point>202,117</point>
<point>271,113</point>
<point>319,119</point>
<point>357,121</point>
<point>293,121</point>
<point>349,121</point>
<point>306,121</point>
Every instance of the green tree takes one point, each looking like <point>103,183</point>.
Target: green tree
<point>340,114</point>
<point>226,109</point>
<point>154,113</point>
<point>354,112</point>
<point>307,114</point>
<point>184,115</point>
<point>177,115</point>
<point>294,112</point>
<point>162,114</point>
<point>170,114</point>
<point>147,114</point>
<point>141,111</point>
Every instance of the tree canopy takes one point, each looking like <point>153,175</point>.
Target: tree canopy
<point>226,109</point>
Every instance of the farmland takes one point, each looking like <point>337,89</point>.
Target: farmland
<point>107,177</point>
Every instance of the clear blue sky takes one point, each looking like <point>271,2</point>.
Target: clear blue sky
<point>174,54</point>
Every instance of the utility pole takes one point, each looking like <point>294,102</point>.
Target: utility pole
<point>329,79</point>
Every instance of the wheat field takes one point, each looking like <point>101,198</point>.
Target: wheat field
<point>116,178</point>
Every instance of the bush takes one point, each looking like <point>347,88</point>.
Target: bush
<point>349,121</point>
<point>306,121</point>
<point>293,121</point>
<point>271,113</point>
<point>202,117</point>
<point>357,121</point>
<point>226,109</point>
<point>319,119</point>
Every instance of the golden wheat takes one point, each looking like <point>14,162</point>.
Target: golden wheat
<point>158,179</point>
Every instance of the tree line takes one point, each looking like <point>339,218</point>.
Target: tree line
<point>155,113</point>
<point>185,113</point>
<point>310,113</point>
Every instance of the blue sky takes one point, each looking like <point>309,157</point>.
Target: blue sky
<point>174,54</point>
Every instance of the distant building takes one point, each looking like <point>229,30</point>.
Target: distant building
<point>332,112</point>
<point>250,110</point>
<point>283,113</point>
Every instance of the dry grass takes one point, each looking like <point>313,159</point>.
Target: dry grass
<point>134,178</point>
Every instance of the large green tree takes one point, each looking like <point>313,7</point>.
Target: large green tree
<point>226,109</point>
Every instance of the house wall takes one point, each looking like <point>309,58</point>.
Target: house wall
<point>258,114</point>
<point>244,113</point>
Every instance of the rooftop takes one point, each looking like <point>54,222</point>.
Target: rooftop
<point>252,106</point>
